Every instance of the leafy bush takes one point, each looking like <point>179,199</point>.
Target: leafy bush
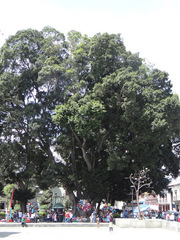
<point>41,215</point>
<point>2,215</point>
<point>116,215</point>
<point>17,207</point>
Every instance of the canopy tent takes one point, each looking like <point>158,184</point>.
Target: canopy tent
<point>58,206</point>
<point>154,207</point>
<point>143,207</point>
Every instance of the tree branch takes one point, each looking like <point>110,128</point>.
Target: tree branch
<point>85,155</point>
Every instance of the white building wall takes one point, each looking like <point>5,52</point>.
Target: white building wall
<point>175,188</point>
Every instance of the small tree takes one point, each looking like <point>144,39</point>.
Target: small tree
<point>45,200</point>
<point>139,180</point>
<point>7,190</point>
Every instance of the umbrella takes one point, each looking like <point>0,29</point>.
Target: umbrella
<point>143,207</point>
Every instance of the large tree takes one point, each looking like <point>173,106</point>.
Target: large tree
<point>32,82</point>
<point>114,115</point>
<point>126,119</point>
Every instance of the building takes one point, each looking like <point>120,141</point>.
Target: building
<point>174,186</point>
<point>156,202</point>
<point>152,201</point>
<point>58,195</point>
<point>4,203</point>
<point>165,201</point>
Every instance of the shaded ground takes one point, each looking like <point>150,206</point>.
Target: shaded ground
<point>85,233</point>
<point>8,233</point>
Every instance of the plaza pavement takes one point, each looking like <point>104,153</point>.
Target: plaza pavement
<point>85,233</point>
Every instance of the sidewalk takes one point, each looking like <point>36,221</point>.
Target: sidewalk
<point>85,233</point>
<point>53,224</point>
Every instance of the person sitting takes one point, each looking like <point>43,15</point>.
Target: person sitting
<point>23,222</point>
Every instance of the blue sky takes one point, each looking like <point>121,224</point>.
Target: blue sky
<point>150,27</point>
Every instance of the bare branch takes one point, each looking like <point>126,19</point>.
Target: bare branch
<point>140,180</point>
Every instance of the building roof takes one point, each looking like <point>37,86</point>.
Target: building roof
<point>58,205</point>
<point>175,182</point>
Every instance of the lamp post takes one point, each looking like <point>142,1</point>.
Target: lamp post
<point>36,203</point>
<point>132,187</point>
<point>55,198</point>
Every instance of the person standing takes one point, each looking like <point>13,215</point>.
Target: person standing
<point>97,220</point>
<point>94,216</point>
<point>68,216</point>
<point>110,226</point>
<point>55,217</point>
<point>111,223</point>
<point>15,216</point>
<point>20,216</point>
<point>111,217</point>
<point>91,217</point>
<point>71,217</point>
<point>48,217</point>
<point>64,216</point>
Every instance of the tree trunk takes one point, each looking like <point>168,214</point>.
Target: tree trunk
<point>98,207</point>
<point>137,199</point>
<point>21,186</point>
<point>23,206</point>
<point>74,200</point>
<point>74,169</point>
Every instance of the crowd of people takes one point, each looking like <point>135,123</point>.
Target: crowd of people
<point>169,216</point>
<point>165,215</point>
<point>68,217</point>
<point>62,216</point>
<point>59,215</point>
<point>54,216</point>
<point>102,217</point>
<point>19,216</point>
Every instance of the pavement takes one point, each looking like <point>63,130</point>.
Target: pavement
<point>84,233</point>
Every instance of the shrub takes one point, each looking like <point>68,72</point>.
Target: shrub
<point>116,215</point>
<point>41,215</point>
<point>2,215</point>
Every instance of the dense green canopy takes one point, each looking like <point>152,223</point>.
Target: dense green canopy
<point>104,110</point>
